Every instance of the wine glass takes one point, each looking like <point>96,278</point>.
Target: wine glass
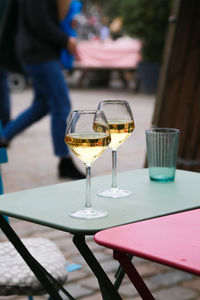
<point>88,135</point>
<point>121,124</point>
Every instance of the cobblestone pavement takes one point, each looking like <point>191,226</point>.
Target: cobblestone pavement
<point>32,164</point>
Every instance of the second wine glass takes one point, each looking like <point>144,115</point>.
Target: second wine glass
<point>121,125</point>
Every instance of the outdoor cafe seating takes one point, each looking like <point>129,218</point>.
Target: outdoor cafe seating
<point>149,201</point>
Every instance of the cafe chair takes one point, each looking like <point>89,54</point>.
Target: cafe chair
<point>16,278</point>
<point>171,240</point>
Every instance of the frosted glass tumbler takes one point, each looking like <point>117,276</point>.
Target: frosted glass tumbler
<point>162,148</point>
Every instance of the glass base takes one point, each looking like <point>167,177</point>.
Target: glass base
<point>88,213</point>
<point>162,174</point>
<point>114,193</point>
<point>162,178</point>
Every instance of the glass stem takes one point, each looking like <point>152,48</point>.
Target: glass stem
<point>114,168</point>
<point>88,202</point>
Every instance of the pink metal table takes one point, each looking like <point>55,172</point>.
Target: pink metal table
<point>170,240</point>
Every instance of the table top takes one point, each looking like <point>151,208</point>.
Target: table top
<point>172,240</point>
<point>50,205</point>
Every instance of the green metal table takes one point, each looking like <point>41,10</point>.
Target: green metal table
<point>51,205</point>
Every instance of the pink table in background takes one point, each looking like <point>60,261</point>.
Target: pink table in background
<point>170,240</point>
<point>123,53</point>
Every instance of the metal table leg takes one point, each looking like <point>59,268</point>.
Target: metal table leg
<point>134,276</point>
<point>108,290</point>
<point>119,275</point>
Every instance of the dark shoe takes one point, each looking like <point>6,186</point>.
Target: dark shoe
<point>3,143</point>
<point>67,168</point>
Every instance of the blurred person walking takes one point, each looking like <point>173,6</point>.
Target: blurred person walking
<point>4,98</point>
<point>38,44</point>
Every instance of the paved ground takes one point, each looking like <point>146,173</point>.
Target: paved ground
<point>32,164</point>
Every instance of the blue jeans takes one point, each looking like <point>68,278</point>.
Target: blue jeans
<point>4,98</point>
<point>50,96</point>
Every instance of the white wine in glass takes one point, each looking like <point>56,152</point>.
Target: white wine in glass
<point>88,144</point>
<point>121,125</point>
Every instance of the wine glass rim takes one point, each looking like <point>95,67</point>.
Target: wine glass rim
<point>83,111</point>
<point>114,100</point>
